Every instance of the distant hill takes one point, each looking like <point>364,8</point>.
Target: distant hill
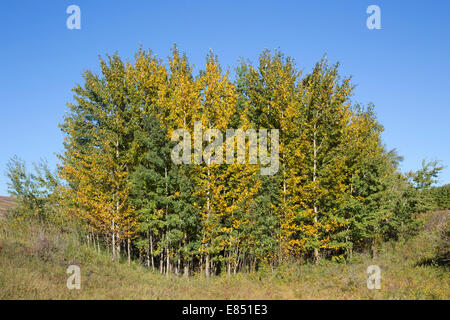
<point>6,203</point>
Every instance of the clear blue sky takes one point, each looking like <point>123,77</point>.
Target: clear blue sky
<point>403,68</point>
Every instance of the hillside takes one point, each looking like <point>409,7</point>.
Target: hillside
<point>6,203</point>
<point>43,253</point>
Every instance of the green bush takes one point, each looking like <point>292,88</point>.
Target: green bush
<point>441,196</point>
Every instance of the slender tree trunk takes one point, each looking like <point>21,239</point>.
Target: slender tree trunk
<point>167,261</point>
<point>151,252</point>
<point>207,266</point>
<point>229,263</point>
<point>316,250</point>
<point>147,252</point>
<point>113,241</point>
<point>373,249</point>
<point>178,262</point>
<point>201,264</point>
<point>129,251</point>
<point>236,265</point>
<point>161,262</point>
<point>185,258</point>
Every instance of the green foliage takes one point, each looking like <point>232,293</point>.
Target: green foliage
<point>424,178</point>
<point>441,196</point>
<point>36,191</point>
<point>423,197</point>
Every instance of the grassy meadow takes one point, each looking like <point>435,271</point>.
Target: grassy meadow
<point>34,258</point>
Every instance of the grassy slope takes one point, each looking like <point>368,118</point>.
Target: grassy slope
<point>6,203</point>
<point>33,262</point>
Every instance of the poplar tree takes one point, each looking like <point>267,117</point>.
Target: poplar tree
<point>271,94</point>
<point>96,161</point>
<point>218,101</point>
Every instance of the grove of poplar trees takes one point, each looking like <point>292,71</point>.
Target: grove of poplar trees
<point>337,189</point>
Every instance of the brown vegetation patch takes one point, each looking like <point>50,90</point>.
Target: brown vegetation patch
<point>6,204</point>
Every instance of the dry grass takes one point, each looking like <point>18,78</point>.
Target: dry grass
<point>34,259</point>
